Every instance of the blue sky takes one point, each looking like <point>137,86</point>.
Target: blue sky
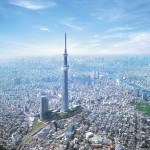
<point>101,27</point>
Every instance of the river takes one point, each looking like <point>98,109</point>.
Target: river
<point>128,83</point>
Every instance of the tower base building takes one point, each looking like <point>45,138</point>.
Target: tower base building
<point>43,108</point>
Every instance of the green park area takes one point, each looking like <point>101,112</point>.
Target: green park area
<point>36,126</point>
<point>145,108</point>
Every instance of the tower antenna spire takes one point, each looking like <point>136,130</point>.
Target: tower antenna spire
<point>65,43</point>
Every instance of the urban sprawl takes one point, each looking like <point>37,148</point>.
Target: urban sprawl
<point>104,90</point>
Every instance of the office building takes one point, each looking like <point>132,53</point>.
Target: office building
<point>136,92</point>
<point>144,95</point>
<point>43,107</point>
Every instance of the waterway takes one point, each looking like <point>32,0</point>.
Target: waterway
<point>128,83</point>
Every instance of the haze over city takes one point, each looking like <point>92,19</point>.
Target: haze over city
<point>97,27</point>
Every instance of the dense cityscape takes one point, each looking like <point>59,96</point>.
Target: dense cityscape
<point>106,90</point>
<point>74,75</point>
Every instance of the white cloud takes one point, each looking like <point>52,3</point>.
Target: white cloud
<point>141,36</point>
<point>44,29</point>
<point>111,36</point>
<point>69,22</point>
<point>31,4</point>
<point>137,43</point>
<point>72,26</point>
<point>95,44</point>
<point>119,29</point>
<point>112,14</point>
<point>95,41</point>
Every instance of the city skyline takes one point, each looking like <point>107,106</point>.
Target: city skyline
<point>36,28</point>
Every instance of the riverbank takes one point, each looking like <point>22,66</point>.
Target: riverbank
<point>113,76</point>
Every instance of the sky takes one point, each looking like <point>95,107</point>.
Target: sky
<point>93,27</point>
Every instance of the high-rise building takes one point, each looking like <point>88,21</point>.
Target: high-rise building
<point>64,105</point>
<point>43,107</point>
<point>136,92</point>
<point>144,95</point>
